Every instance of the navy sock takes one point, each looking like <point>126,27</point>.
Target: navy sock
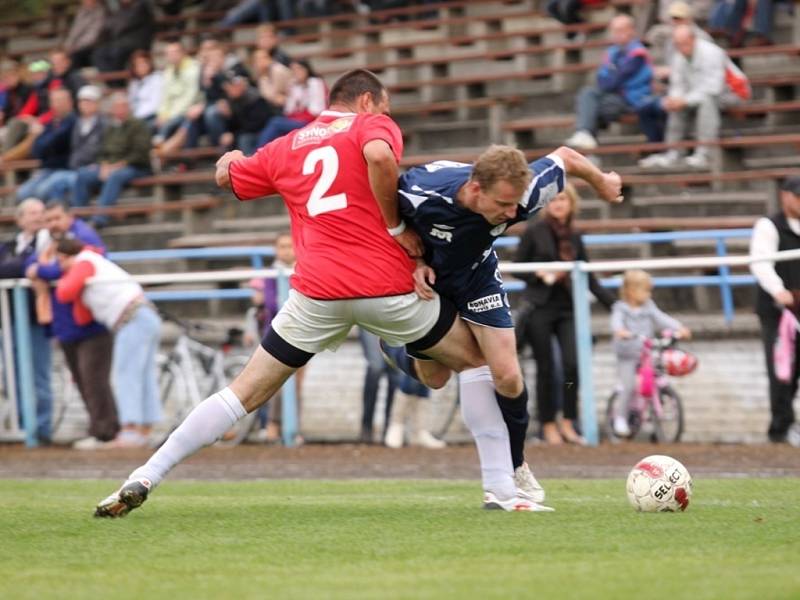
<point>515,414</point>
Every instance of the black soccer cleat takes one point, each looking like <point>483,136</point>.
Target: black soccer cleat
<point>131,495</point>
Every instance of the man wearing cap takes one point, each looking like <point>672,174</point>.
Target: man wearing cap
<point>51,146</point>
<point>85,143</point>
<point>124,156</point>
<point>659,37</point>
<point>19,139</point>
<point>779,288</point>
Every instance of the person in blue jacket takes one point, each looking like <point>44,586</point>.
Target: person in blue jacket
<point>87,348</point>
<point>623,86</point>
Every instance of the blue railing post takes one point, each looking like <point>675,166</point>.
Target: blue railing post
<point>725,291</point>
<point>288,392</point>
<point>25,358</point>
<point>583,344</point>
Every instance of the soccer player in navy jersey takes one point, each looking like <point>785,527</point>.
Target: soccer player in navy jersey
<point>459,210</point>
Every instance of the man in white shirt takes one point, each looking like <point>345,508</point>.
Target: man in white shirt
<point>779,288</point>
<point>698,89</point>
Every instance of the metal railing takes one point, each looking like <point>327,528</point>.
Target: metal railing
<point>580,289</point>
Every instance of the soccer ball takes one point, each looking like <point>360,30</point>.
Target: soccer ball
<point>659,484</point>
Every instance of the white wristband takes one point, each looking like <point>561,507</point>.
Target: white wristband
<point>395,231</point>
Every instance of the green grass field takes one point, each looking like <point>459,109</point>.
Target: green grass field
<point>394,539</point>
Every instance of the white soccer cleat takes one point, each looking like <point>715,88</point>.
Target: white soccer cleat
<point>526,483</point>
<point>131,495</point>
<point>515,504</point>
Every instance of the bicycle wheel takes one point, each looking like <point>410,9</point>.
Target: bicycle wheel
<point>668,427</point>
<point>172,390</point>
<point>633,416</point>
<point>233,365</point>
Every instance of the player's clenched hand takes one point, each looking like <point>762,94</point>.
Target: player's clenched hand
<point>424,278</point>
<point>611,188</point>
<point>221,176</point>
<point>410,242</point>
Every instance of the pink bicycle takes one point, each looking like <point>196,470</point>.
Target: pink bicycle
<point>656,406</point>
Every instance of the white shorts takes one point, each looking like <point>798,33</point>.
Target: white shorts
<point>315,325</point>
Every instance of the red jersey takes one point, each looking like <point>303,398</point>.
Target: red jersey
<point>343,248</point>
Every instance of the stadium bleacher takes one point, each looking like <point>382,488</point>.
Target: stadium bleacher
<point>467,74</point>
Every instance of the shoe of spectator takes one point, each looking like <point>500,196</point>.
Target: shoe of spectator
<point>698,160</point>
<point>394,436</point>
<point>425,439</point>
<point>793,435</point>
<point>88,443</point>
<point>527,486</point>
<point>128,439</point>
<point>515,504</point>
<point>582,140</point>
<point>620,427</point>
<point>662,160</point>
<point>131,495</point>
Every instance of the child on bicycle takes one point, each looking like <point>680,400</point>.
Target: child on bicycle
<point>633,319</point>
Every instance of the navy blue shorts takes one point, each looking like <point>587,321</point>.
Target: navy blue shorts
<point>484,301</point>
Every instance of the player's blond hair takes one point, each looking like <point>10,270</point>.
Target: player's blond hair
<point>634,279</point>
<point>502,163</point>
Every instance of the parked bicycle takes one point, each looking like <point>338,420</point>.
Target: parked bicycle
<point>191,372</point>
<point>656,407</point>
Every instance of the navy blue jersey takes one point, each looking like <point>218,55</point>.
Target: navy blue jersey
<point>458,242</point>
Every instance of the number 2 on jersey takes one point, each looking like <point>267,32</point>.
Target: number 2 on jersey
<point>318,202</point>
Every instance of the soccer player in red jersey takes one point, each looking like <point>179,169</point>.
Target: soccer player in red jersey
<point>338,177</point>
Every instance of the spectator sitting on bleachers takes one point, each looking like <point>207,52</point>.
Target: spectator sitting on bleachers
<point>260,11</point>
<point>62,70</point>
<point>568,12</point>
<point>179,90</point>
<point>130,27</point>
<point>51,146</point>
<point>245,112</point>
<point>307,98</point>
<point>18,140</point>
<point>124,156</point>
<point>13,92</point>
<point>144,87</point>
<point>267,40</point>
<point>623,86</point>
<point>272,78</point>
<point>697,87</point>
<point>87,136</point>
<point>659,37</point>
<point>205,117</point>
<point>87,347</point>
<point>727,18</point>
<point>85,31</point>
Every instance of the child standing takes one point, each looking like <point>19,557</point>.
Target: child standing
<point>634,317</point>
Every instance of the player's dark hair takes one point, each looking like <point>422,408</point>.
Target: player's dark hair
<point>69,246</point>
<point>353,84</point>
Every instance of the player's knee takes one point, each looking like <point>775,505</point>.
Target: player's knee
<point>436,380</point>
<point>508,382</point>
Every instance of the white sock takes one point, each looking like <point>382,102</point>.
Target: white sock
<point>484,420</point>
<point>207,423</point>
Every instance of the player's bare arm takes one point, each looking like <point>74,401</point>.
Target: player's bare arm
<point>383,172</point>
<point>607,185</point>
<point>222,176</point>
